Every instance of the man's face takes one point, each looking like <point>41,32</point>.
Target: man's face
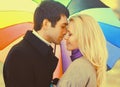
<point>57,33</point>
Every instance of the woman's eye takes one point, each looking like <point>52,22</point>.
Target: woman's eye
<point>63,27</point>
<point>69,34</point>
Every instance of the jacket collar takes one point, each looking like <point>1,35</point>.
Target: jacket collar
<point>37,43</point>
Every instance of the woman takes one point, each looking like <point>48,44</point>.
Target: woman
<point>89,70</point>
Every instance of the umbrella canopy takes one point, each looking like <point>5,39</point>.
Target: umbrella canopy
<point>20,19</point>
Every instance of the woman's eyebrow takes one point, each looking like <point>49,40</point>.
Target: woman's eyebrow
<point>65,24</point>
<point>68,31</point>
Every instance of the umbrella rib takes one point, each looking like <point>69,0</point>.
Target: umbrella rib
<point>69,3</point>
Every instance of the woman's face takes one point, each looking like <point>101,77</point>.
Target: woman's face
<point>71,38</point>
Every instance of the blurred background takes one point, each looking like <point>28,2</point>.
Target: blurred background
<point>16,17</point>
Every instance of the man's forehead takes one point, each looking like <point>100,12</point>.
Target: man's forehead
<point>63,20</point>
<point>63,23</point>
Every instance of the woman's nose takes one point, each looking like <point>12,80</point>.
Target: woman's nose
<point>66,36</point>
<point>65,31</point>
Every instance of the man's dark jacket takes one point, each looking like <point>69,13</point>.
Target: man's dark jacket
<point>30,63</point>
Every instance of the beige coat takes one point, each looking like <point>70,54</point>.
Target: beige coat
<point>80,73</point>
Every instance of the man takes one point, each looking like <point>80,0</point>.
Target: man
<point>31,62</point>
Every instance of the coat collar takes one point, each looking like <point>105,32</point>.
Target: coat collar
<point>37,43</point>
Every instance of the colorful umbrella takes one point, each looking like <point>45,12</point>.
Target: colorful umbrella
<point>14,25</point>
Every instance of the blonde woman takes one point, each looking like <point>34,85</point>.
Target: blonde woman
<point>85,34</point>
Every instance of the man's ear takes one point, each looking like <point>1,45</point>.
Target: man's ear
<point>46,23</point>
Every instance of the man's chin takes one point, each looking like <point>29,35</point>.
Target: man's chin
<point>57,43</point>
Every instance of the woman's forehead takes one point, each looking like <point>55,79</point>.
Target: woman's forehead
<point>71,27</point>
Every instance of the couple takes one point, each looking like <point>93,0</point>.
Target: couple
<point>31,62</point>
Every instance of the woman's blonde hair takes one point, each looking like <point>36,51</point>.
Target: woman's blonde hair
<point>92,43</point>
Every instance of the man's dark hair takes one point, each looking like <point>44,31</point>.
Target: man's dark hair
<point>50,10</point>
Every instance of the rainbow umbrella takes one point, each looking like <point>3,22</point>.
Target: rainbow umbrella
<point>19,20</point>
